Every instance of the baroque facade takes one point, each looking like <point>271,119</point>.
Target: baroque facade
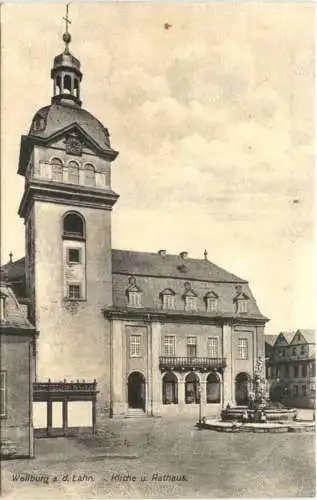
<point>160,333</point>
<point>291,367</point>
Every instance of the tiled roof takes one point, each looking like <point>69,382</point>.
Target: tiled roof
<point>58,116</point>
<point>152,288</point>
<point>204,277</point>
<point>150,264</point>
<point>309,334</point>
<point>288,336</point>
<point>14,313</point>
<point>153,264</point>
<point>270,339</point>
<point>15,270</point>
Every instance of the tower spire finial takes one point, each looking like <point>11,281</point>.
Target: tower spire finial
<point>66,36</point>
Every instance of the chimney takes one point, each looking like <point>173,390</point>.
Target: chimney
<point>162,253</point>
<point>183,255</point>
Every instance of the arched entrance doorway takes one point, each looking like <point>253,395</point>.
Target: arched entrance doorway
<point>242,388</point>
<point>136,390</point>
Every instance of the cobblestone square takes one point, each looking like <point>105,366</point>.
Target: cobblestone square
<point>165,458</point>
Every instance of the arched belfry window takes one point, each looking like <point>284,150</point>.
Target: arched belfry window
<point>89,175</point>
<point>67,84</point>
<point>73,172</point>
<point>76,87</point>
<point>74,226</point>
<point>58,85</point>
<point>57,169</point>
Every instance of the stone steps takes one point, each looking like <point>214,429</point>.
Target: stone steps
<point>135,413</point>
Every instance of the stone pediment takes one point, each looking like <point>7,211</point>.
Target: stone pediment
<point>73,139</point>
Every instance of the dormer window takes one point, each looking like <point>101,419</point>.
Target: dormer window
<point>242,306</point>
<point>134,293</point>
<point>134,299</point>
<point>211,300</point>
<point>2,307</point>
<point>189,297</point>
<point>168,299</point>
<point>190,301</point>
<point>241,301</point>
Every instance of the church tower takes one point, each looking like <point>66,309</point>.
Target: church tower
<point>66,206</point>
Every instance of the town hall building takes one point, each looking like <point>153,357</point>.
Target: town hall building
<point>160,333</point>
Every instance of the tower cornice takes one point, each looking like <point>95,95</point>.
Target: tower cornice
<point>65,194</point>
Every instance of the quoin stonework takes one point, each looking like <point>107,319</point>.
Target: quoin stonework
<point>161,334</point>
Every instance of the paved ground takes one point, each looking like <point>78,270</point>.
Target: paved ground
<point>173,458</point>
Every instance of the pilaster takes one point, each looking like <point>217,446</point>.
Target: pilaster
<point>228,393</point>
<point>155,370</point>
<point>117,392</point>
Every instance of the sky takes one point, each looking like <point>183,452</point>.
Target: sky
<point>214,122</point>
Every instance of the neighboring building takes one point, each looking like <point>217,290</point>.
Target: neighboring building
<point>17,337</point>
<point>291,367</point>
<point>158,332</point>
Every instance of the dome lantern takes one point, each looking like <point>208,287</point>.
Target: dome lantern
<point>66,73</point>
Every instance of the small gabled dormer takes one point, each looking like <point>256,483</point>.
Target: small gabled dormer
<point>134,293</point>
<point>189,297</point>
<point>211,301</point>
<point>241,301</point>
<point>167,297</point>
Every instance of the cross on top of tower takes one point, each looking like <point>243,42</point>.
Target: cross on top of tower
<point>66,36</point>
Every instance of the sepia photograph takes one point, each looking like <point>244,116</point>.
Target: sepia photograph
<point>157,285</point>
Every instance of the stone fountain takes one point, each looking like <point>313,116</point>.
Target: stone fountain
<point>260,415</point>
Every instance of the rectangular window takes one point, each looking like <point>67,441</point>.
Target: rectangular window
<point>3,393</point>
<point>286,370</point>
<point>294,351</point>
<point>2,307</point>
<point>169,345</point>
<point>212,347</point>
<point>280,351</point>
<point>190,303</point>
<point>191,347</point>
<point>302,349</point>
<point>74,291</point>
<point>304,371</point>
<point>135,299</point>
<point>242,306</point>
<point>73,255</point>
<point>313,370</point>
<point>168,301</point>
<point>212,304</point>
<point>135,346</point>
<point>295,371</point>
<point>304,390</point>
<point>295,390</point>
<point>243,349</point>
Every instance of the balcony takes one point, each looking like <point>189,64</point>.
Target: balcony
<point>191,363</point>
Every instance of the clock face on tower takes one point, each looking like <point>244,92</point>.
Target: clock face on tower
<point>74,146</point>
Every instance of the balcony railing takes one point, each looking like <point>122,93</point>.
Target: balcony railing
<point>190,363</point>
<point>52,390</point>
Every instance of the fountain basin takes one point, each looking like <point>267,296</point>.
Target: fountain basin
<point>268,427</point>
<point>237,413</point>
